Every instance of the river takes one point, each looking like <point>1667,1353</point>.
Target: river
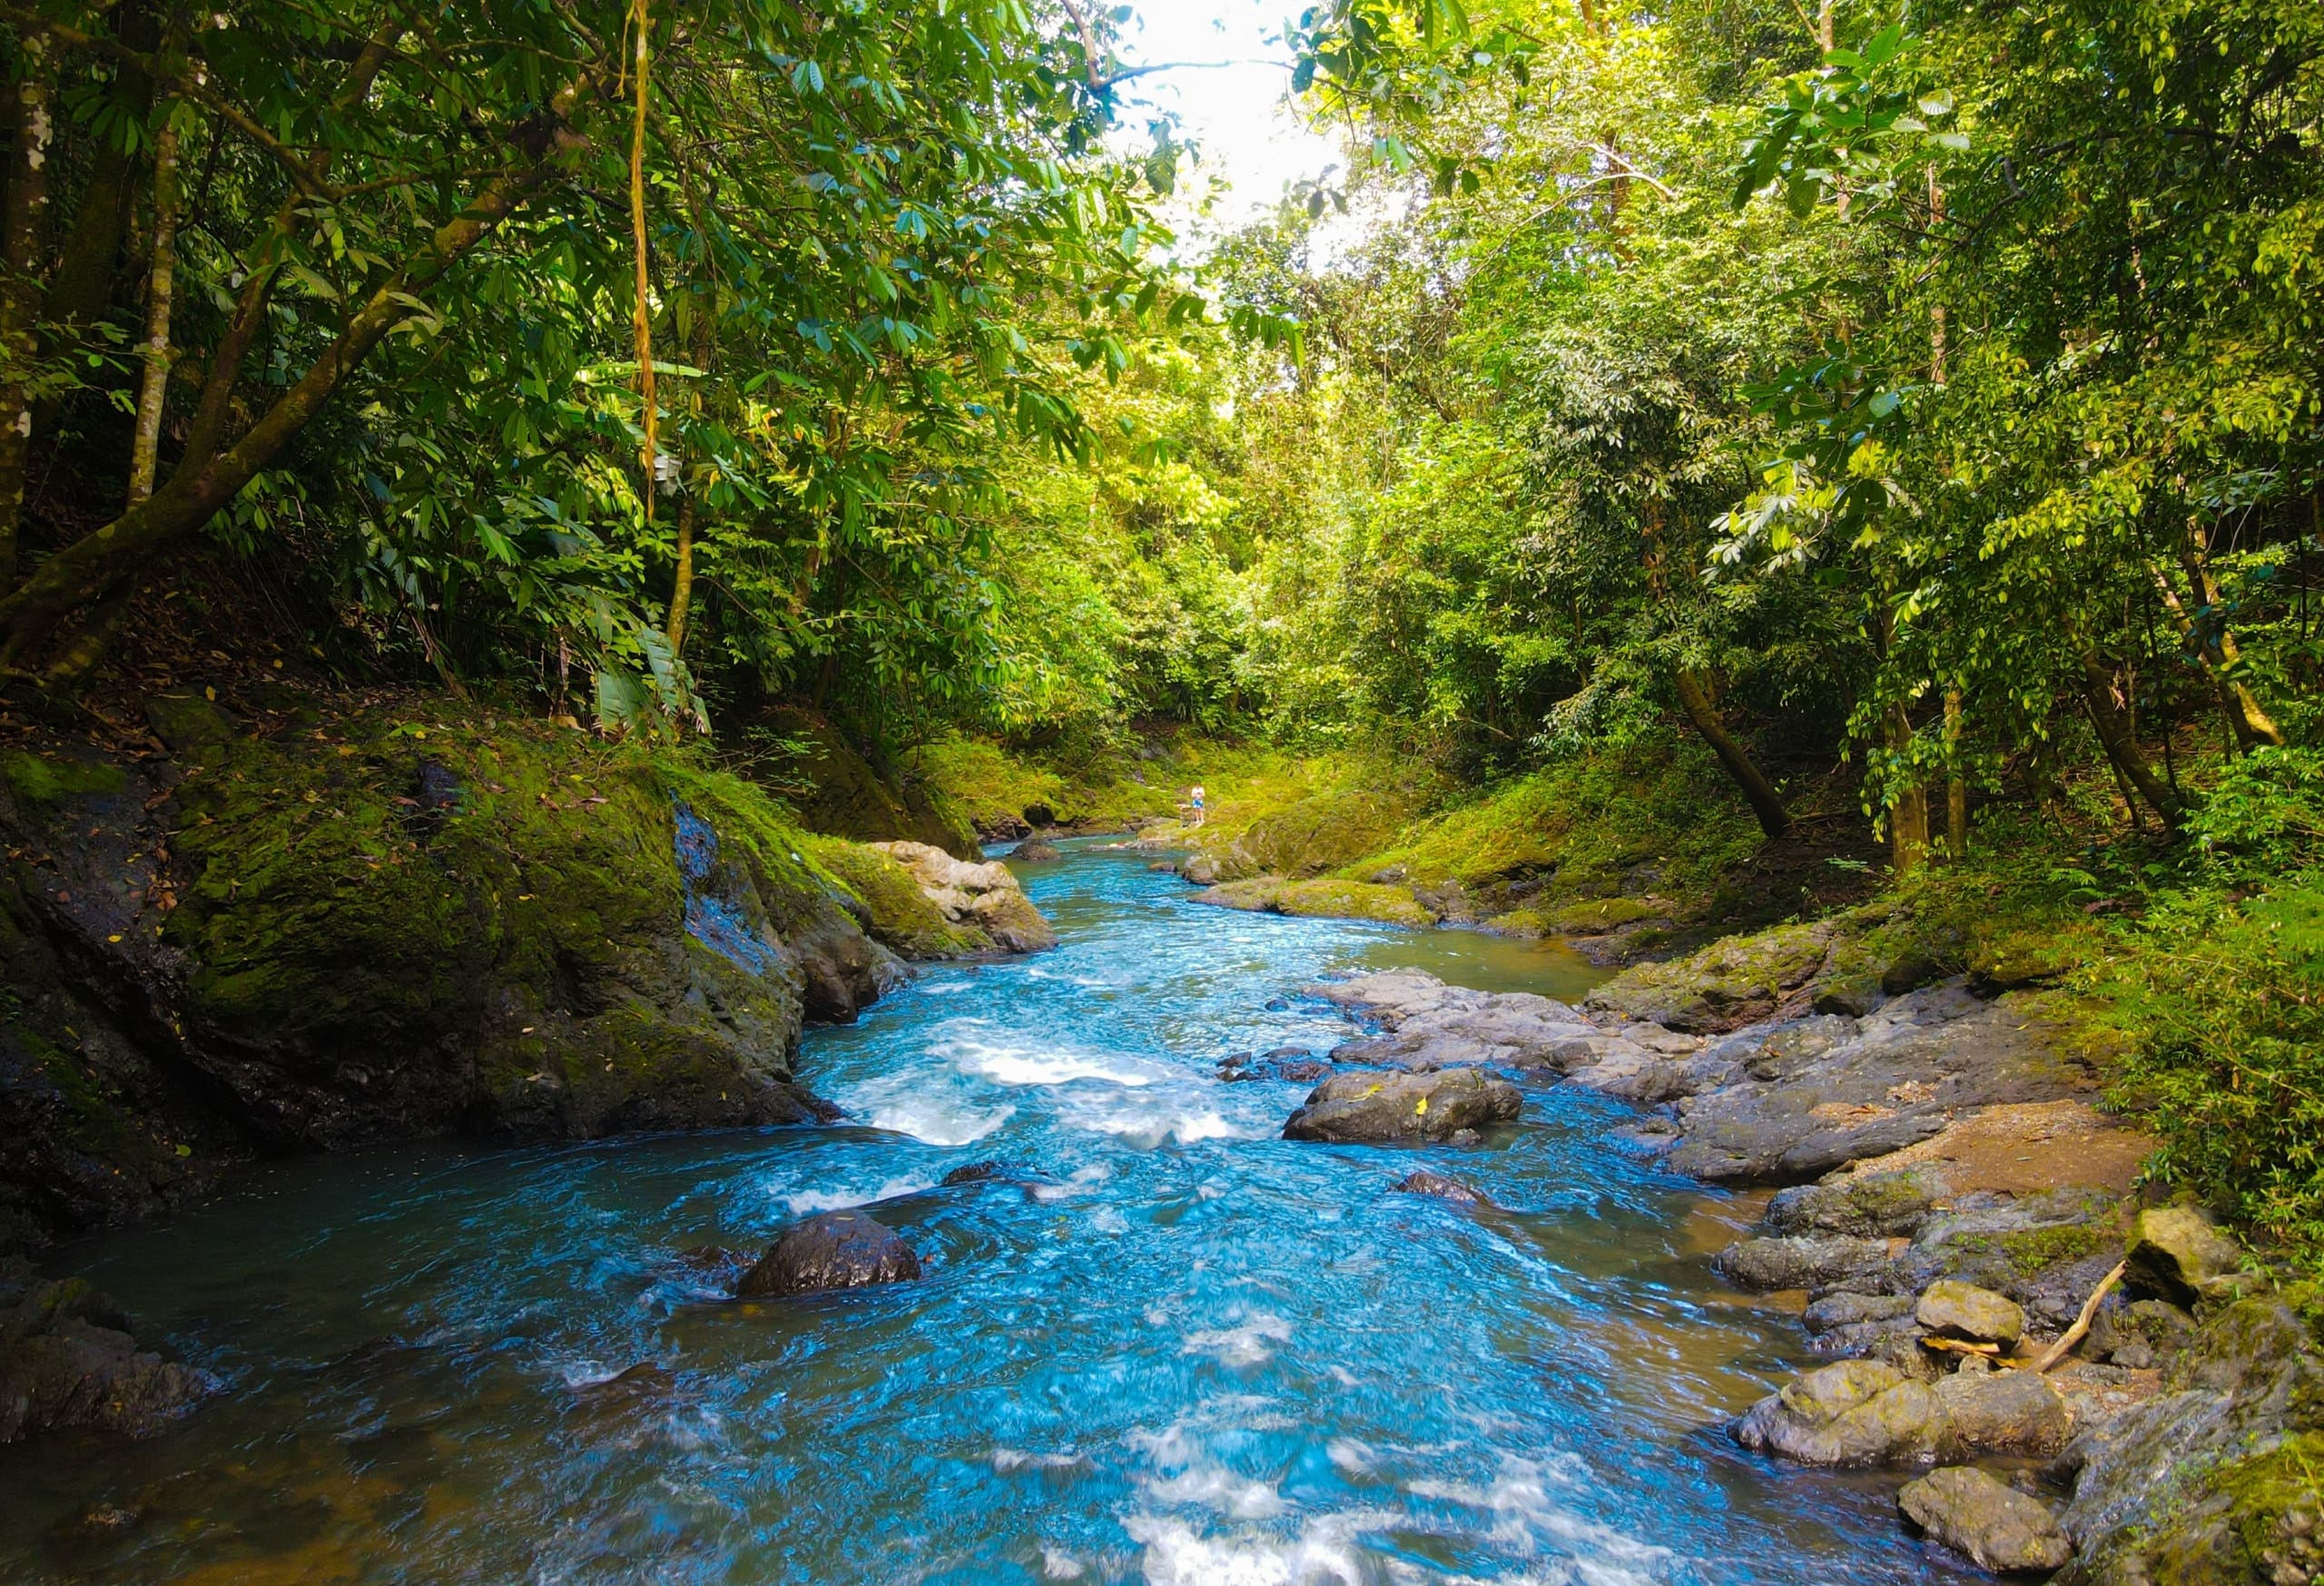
<point>1191,1353</point>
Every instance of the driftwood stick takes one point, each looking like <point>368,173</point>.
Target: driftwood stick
<point>2075,1335</point>
<point>1959,1346</point>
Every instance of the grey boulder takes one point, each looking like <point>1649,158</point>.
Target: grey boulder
<point>1851,1413</point>
<point>1403,1109</point>
<point>843,1249</point>
<point>1952,1309</point>
<point>1765,1266</point>
<point>1977,1514</point>
<point>2005,1411</point>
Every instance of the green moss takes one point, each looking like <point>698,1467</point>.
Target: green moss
<point>96,1122</point>
<point>2270,1488</point>
<point>2030,1251</point>
<point>340,907</point>
<point>1338,899</point>
<point>902,916</point>
<point>1594,915</point>
<point>1731,979</point>
<point>38,780</point>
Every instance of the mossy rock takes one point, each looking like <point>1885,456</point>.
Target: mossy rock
<point>1595,916</point>
<point>1321,898</point>
<point>432,924</point>
<point>1730,982</point>
<point>901,915</point>
<point>1312,835</point>
<point>49,780</point>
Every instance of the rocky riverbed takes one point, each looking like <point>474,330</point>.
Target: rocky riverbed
<point>2094,1386</point>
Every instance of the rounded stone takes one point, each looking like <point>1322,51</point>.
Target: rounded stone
<point>843,1249</point>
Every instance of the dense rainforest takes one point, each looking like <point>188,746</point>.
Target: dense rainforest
<point>1930,394</point>
<point>541,539</point>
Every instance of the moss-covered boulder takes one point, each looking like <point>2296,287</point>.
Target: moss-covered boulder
<point>408,919</point>
<point>1320,897</point>
<point>2218,1479</point>
<point>1729,983</point>
<point>983,900</point>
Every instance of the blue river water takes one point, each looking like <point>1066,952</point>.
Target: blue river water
<point>1190,1353</point>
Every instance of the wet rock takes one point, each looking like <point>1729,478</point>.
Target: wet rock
<point>1871,1206</point>
<point>1768,1265</point>
<point>1201,871</point>
<point>1425,1024</point>
<point>1440,1188</point>
<point>1292,1065</point>
<point>985,896</point>
<point>990,1171</point>
<point>2141,1335</point>
<point>2178,1254</point>
<point>2183,1487</point>
<point>1894,1082</point>
<point>1403,1109</point>
<point>1852,1413</point>
<point>841,1249</point>
<point>1977,1514</point>
<point>1853,1310</point>
<point>1953,1309</point>
<point>68,1360</point>
<point>1034,850</point>
<point>2005,1411</point>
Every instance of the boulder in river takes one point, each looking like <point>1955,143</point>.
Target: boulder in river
<point>1037,851</point>
<point>985,896</point>
<point>841,1249</point>
<point>68,1360</point>
<point>1440,1188</point>
<point>1870,1205</point>
<point>1851,1413</point>
<point>1976,1514</point>
<point>1952,1309</point>
<point>2005,1411</point>
<point>1765,1266</point>
<point>1403,1109</point>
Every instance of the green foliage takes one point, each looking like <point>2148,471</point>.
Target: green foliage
<point>2221,994</point>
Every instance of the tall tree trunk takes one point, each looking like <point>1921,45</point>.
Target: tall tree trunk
<point>146,447</point>
<point>2122,745</point>
<point>137,540</point>
<point>1694,699</point>
<point>2251,725</point>
<point>1908,814</point>
<point>642,311</point>
<point>1758,791</point>
<point>1956,786</point>
<point>705,345</point>
<point>89,263</point>
<point>22,217</point>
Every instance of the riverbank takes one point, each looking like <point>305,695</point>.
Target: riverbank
<point>2104,1386</point>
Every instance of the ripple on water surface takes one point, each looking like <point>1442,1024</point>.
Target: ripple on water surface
<point>1166,1345</point>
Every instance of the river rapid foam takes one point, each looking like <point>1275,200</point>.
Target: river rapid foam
<point>1160,1343</point>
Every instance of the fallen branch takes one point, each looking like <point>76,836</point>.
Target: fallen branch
<point>2080,1328</point>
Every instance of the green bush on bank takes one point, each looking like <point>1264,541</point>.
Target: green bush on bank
<point>2220,984</point>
